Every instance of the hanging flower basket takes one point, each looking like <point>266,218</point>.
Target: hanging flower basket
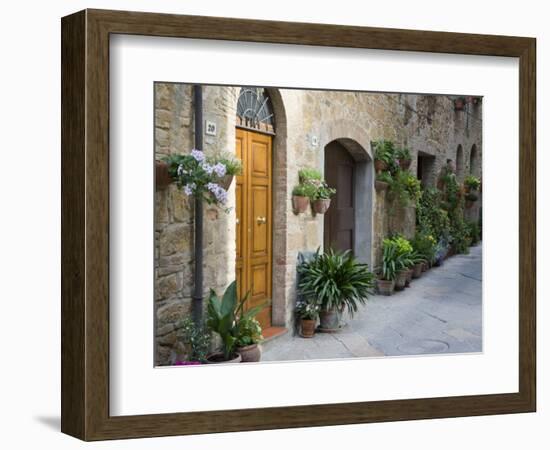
<point>380,165</point>
<point>226,181</point>
<point>162,176</point>
<point>300,203</point>
<point>321,205</point>
<point>405,164</point>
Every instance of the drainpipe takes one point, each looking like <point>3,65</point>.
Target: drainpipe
<point>197,305</point>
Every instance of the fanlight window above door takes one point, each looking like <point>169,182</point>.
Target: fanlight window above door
<point>254,110</point>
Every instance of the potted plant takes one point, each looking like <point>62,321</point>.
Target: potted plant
<point>418,262</point>
<point>386,281</point>
<point>301,195</point>
<point>223,317</point>
<point>337,282</point>
<point>194,340</point>
<point>249,336</point>
<point>383,180</point>
<point>383,155</point>
<point>308,312</point>
<point>471,183</point>
<point>198,175</point>
<point>321,201</point>
<point>403,155</point>
<point>309,175</point>
<point>403,261</point>
<point>233,167</point>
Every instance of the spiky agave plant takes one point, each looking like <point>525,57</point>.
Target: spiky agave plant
<point>336,281</point>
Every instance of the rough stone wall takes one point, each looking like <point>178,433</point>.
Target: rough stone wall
<point>306,121</point>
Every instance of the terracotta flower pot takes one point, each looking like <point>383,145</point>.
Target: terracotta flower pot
<point>330,319</point>
<point>308,327</point>
<point>250,353</point>
<point>226,181</point>
<point>409,277</point>
<point>320,206</point>
<point>385,287</point>
<point>404,163</point>
<point>459,104</point>
<point>300,203</point>
<point>162,177</point>
<point>380,165</point>
<point>417,270</point>
<point>218,358</point>
<point>401,280</point>
<point>425,266</point>
<point>380,185</point>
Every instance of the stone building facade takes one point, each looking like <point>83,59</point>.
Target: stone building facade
<point>305,123</point>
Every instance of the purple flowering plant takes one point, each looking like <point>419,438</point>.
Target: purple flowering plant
<point>197,174</point>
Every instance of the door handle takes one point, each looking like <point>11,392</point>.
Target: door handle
<point>261,220</point>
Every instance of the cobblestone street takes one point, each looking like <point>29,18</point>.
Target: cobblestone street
<point>440,313</point>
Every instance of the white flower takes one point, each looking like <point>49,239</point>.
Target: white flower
<point>208,168</point>
<point>198,155</point>
<point>220,169</point>
<point>189,188</point>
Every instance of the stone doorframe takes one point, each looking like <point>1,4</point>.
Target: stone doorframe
<point>358,143</point>
<point>280,291</point>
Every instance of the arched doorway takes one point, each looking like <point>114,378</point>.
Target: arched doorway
<point>255,131</point>
<point>339,226</point>
<point>349,221</point>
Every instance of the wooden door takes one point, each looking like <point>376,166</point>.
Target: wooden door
<point>254,220</point>
<point>339,232</point>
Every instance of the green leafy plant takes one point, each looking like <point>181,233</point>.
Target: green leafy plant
<point>474,231</point>
<point>431,218</point>
<point>324,192</point>
<point>471,197</point>
<point>425,245</point>
<point>307,175</point>
<point>233,164</point>
<point>384,151</point>
<point>336,281</point>
<point>403,154</point>
<point>385,177</point>
<point>412,185</point>
<point>472,182</point>
<point>224,315</point>
<point>196,338</point>
<point>397,255</point>
<point>305,190</point>
<point>307,309</point>
<point>249,332</point>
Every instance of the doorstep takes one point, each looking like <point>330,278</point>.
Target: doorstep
<point>272,333</point>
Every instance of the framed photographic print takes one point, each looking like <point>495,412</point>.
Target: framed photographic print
<point>273,225</point>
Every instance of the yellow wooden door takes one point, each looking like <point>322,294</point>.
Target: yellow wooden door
<point>254,220</point>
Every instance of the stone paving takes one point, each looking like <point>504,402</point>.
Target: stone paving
<point>440,313</point>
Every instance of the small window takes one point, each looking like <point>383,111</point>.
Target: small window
<point>254,110</point>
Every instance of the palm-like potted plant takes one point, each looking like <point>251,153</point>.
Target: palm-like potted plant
<point>337,282</point>
<point>321,199</point>
<point>223,317</point>
<point>386,281</point>
<point>307,310</point>
<point>249,336</point>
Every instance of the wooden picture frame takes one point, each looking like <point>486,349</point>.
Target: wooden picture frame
<point>85,224</point>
